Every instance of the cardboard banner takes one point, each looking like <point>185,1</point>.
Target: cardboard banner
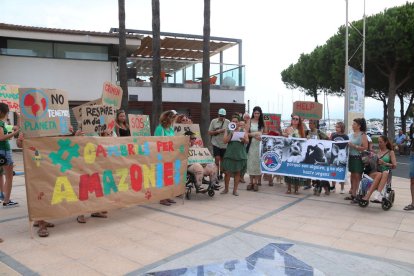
<point>77,111</point>
<point>313,159</point>
<point>9,94</point>
<point>139,125</point>
<point>97,118</point>
<point>69,176</point>
<point>199,155</point>
<point>180,129</point>
<point>272,121</point>
<point>111,95</point>
<point>308,110</point>
<point>44,112</point>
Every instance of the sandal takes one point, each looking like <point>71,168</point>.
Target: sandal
<point>164,202</point>
<point>81,219</point>
<point>42,232</point>
<point>409,207</point>
<point>249,187</point>
<point>349,198</point>
<point>48,224</point>
<point>98,215</point>
<point>256,188</point>
<point>171,201</point>
<point>235,193</point>
<point>224,192</point>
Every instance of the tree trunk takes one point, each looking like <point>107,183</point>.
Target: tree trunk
<point>385,108</point>
<point>315,95</point>
<point>205,86</point>
<point>122,67</point>
<point>402,113</point>
<point>391,101</point>
<point>156,66</point>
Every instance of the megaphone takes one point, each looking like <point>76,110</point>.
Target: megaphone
<point>232,126</point>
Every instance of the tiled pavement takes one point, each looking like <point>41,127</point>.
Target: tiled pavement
<point>325,234</point>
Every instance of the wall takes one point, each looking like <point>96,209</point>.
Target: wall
<point>81,79</point>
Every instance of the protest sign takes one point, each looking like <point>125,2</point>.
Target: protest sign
<point>199,155</point>
<point>69,176</point>
<point>181,129</point>
<point>272,122</point>
<point>111,95</point>
<point>139,125</point>
<point>97,118</point>
<point>77,111</point>
<point>308,110</point>
<point>44,112</point>
<point>9,94</point>
<point>313,159</point>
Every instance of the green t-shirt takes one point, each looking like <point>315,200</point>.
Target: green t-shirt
<point>4,145</point>
<point>160,131</point>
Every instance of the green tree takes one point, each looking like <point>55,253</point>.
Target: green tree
<point>122,67</point>
<point>205,86</point>
<point>156,66</point>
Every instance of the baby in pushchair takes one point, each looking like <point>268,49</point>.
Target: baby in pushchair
<point>195,178</point>
<point>371,181</point>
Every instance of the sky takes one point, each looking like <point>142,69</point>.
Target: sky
<point>274,34</point>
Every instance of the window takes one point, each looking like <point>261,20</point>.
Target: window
<point>28,48</point>
<point>79,51</point>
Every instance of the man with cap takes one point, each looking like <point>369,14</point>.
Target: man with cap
<point>216,131</point>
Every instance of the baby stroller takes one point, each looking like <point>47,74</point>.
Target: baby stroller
<point>190,184</point>
<point>370,161</point>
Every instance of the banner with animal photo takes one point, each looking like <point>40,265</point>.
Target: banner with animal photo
<point>98,118</point>
<point>272,121</point>
<point>111,95</point>
<point>181,129</point>
<point>139,125</point>
<point>77,111</point>
<point>69,176</point>
<point>9,94</point>
<point>313,159</point>
<point>199,155</point>
<point>44,112</point>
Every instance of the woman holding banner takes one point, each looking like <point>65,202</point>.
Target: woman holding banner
<point>295,130</point>
<point>121,124</point>
<point>165,128</point>
<point>358,143</point>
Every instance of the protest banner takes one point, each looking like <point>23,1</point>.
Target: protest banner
<point>69,176</point>
<point>199,155</point>
<point>180,129</point>
<point>44,112</point>
<point>272,122</point>
<point>97,118</point>
<point>111,95</point>
<point>9,94</point>
<point>308,110</point>
<point>139,125</point>
<point>77,111</point>
<point>313,159</point>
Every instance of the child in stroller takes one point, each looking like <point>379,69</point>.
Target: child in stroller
<point>378,168</point>
<point>195,177</point>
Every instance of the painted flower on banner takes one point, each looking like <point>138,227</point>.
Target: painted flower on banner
<point>35,104</point>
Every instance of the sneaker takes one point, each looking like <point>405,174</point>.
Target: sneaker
<point>10,204</point>
<point>342,191</point>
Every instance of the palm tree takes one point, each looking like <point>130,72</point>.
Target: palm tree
<point>122,67</point>
<point>205,86</point>
<point>156,66</point>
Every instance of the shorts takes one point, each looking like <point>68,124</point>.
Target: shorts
<point>355,164</point>
<point>218,151</point>
<point>412,165</point>
<point>8,155</point>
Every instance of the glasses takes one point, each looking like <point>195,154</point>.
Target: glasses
<point>295,118</point>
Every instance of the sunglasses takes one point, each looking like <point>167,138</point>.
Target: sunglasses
<point>295,118</point>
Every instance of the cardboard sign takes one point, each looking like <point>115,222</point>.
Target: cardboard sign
<point>97,118</point>
<point>180,129</point>
<point>308,110</point>
<point>139,125</point>
<point>44,112</point>
<point>112,95</point>
<point>77,111</point>
<point>9,94</point>
<point>199,155</point>
<point>272,121</point>
<point>69,176</point>
<point>305,158</point>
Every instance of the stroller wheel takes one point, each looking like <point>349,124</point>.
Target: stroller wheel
<point>211,193</point>
<point>188,193</point>
<point>386,205</point>
<point>363,203</point>
<point>392,196</point>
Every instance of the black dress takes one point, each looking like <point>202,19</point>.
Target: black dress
<point>124,132</point>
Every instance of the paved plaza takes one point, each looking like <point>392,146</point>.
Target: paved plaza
<point>256,233</point>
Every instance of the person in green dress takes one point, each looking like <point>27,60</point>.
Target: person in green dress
<point>235,158</point>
